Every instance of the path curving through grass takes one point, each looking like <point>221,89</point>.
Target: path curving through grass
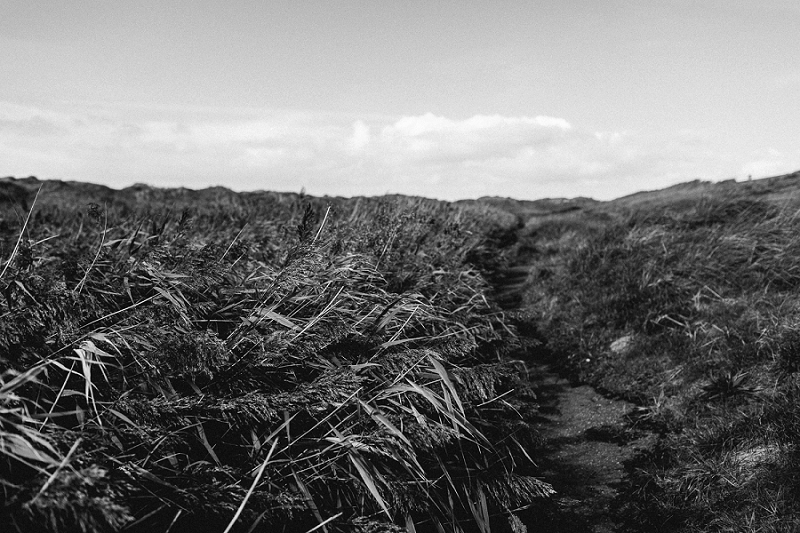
<point>589,444</point>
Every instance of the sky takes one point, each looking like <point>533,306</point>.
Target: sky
<point>438,98</point>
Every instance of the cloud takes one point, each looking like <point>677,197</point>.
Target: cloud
<point>428,155</point>
<point>440,140</point>
<point>361,135</point>
<point>27,121</point>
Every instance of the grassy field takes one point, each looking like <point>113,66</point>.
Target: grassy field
<point>686,302</point>
<point>177,360</point>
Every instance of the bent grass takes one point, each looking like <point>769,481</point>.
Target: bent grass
<point>221,372</point>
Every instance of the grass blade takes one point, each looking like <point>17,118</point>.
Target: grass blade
<point>252,487</point>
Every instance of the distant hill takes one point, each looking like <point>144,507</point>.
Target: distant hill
<point>776,188</point>
<point>783,188</point>
<point>19,192</point>
<point>534,208</point>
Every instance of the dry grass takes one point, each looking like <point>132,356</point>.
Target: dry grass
<point>702,282</point>
<point>256,362</point>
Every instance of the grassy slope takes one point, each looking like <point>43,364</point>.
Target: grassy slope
<point>686,302</point>
<point>187,360</point>
<point>682,300</point>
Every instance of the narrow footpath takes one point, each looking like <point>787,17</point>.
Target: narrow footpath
<point>588,445</point>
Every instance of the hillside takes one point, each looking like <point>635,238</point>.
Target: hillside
<point>685,302</point>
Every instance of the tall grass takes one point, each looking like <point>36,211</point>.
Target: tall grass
<point>260,362</point>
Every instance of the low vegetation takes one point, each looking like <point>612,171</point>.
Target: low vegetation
<point>686,302</point>
<point>177,360</point>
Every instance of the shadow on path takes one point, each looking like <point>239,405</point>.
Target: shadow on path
<point>587,444</point>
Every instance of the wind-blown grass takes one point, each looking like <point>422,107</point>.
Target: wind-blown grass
<point>257,362</point>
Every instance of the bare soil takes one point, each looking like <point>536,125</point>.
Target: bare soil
<point>588,449</point>
<point>588,445</point>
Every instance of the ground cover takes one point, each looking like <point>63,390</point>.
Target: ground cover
<point>685,302</point>
<point>204,360</point>
<point>177,360</point>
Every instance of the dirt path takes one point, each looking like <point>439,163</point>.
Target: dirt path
<point>586,445</point>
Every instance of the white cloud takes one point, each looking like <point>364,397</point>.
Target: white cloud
<point>438,139</point>
<point>361,135</point>
<point>429,155</point>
